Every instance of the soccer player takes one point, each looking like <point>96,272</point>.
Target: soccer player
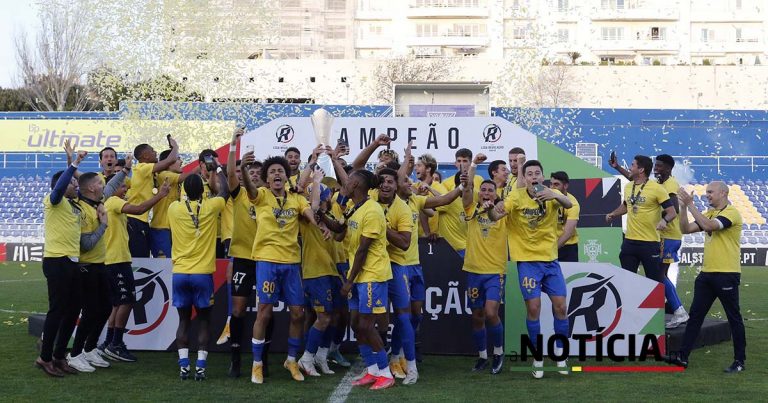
<point>370,270</point>
<point>486,268</point>
<point>532,242</point>
<point>721,274</point>
<point>425,167</point>
<point>208,160</point>
<point>384,157</point>
<point>193,231</point>
<point>671,239</point>
<point>293,156</point>
<point>463,159</point>
<point>94,280</point>
<point>320,280</point>
<point>567,219</point>
<point>644,201</point>
<point>499,174</point>
<point>277,256</point>
<point>61,253</point>
<point>143,186</point>
<point>159,228</point>
<point>516,161</point>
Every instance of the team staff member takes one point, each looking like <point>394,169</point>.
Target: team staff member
<point>720,276</point>
<point>60,256</point>
<point>567,219</point>
<point>532,241</point>
<point>644,201</point>
<point>486,269</point>
<point>370,270</point>
<point>193,231</point>
<point>118,262</point>
<point>143,186</point>
<point>277,256</point>
<point>159,228</point>
<point>516,161</point>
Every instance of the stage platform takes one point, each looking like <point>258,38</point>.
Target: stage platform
<point>713,331</point>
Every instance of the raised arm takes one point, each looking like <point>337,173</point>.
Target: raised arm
<point>365,153</point>
<point>250,187</point>
<point>170,160</point>
<point>148,204</point>
<point>614,163</point>
<point>408,162</point>
<point>232,181</point>
<point>701,222</point>
<point>60,188</point>
<point>468,195</point>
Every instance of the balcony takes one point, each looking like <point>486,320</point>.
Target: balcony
<point>446,10</point>
<point>373,42</point>
<point>635,14</point>
<point>450,39</point>
<point>722,47</point>
<point>618,45</point>
<point>725,15</point>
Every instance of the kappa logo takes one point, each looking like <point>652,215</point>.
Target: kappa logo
<point>149,285</point>
<point>591,294</point>
<point>492,133</point>
<point>284,134</point>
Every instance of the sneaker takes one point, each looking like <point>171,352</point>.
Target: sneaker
<point>120,353</point>
<point>94,358</point>
<point>293,368</point>
<point>184,373</point>
<point>257,376</point>
<point>737,366</point>
<point>537,374</point>
<point>676,359</point>
<point>678,318</point>
<point>323,365</point>
<point>224,337</point>
<point>561,364</point>
<point>496,363</point>
<point>200,374</point>
<point>382,382</point>
<point>101,350</point>
<point>308,366</point>
<point>79,363</point>
<point>403,363</point>
<point>367,379</point>
<point>411,377</point>
<point>397,370</point>
<point>480,365</point>
<point>338,359</point>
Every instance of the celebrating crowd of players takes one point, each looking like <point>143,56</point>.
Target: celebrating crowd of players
<point>343,253</point>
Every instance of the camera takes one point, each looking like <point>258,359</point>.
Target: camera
<point>210,163</point>
<point>538,188</point>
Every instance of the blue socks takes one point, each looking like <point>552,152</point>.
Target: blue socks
<point>497,334</point>
<point>367,353</point>
<point>479,337</point>
<point>314,338</point>
<point>294,345</point>
<point>381,359</point>
<point>407,336</point>
<point>258,349</point>
<point>671,294</point>
<point>534,329</point>
<point>562,327</point>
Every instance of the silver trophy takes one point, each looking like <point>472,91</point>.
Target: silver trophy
<point>322,120</point>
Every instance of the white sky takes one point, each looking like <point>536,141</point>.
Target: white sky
<point>14,15</point>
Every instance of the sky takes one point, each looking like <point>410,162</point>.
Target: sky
<point>14,15</point>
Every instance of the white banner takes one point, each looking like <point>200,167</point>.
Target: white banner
<point>441,137</point>
<point>607,300</point>
<point>153,321</point>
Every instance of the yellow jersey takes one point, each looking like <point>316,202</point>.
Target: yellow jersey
<point>672,231</point>
<point>532,227</point>
<point>117,233</point>
<point>342,247</point>
<point>277,225</point>
<point>508,188</point>
<point>450,183</point>
<point>722,249</point>
<point>227,220</point>
<point>318,256</point>
<point>415,205</point>
<point>193,248</point>
<point>434,221</point>
<point>244,224</point>
<point>142,183</point>
<point>563,215</point>
<point>62,228</point>
<point>160,209</point>
<point>399,219</point>
<point>486,242</point>
<point>453,225</point>
<point>644,210</point>
<point>368,221</point>
<point>89,222</point>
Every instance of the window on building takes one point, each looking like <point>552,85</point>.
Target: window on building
<point>738,4</point>
<point>612,4</point>
<point>658,33</point>
<point>520,33</point>
<point>336,32</point>
<point>562,35</point>
<point>607,60</point>
<point>467,30</point>
<point>738,35</point>
<point>707,35</point>
<point>562,5</point>
<point>290,30</point>
<point>426,30</point>
<point>335,4</point>
<point>334,54</point>
<point>612,33</point>
<point>290,3</point>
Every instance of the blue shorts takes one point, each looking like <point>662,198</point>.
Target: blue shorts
<point>485,287</point>
<point>343,269</point>
<point>322,293</point>
<point>536,277</point>
<point>397,287</point>
<point>279,282</point>
<point>369,298</point>
<point>416,283</point>
<point>462,253</point>
<point>192,290</point>
<point>340,301</point>
<point>160,242</point>
<point>669,250</point>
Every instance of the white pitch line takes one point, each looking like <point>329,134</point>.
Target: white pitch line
<point>342,390</point>
<point>21,312</point>
<point>22,281</point>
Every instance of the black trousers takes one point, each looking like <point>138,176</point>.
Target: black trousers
<point>95,304</point>
<point>648,253</point>
<point>568,253</point>
<point>63,278</point>
<point>707,288</point>
<point>138,237</point>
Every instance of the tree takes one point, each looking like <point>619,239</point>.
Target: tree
<point>574,56</point>
<point>406,69</point>
<point>110,88</point>
<point>51,69</point>
<point>11,101</point>
<point>553,87</point>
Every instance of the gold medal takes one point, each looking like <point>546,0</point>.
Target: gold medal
<point>281,223</point>
<point>634,209</point>
<point>154,191</point>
